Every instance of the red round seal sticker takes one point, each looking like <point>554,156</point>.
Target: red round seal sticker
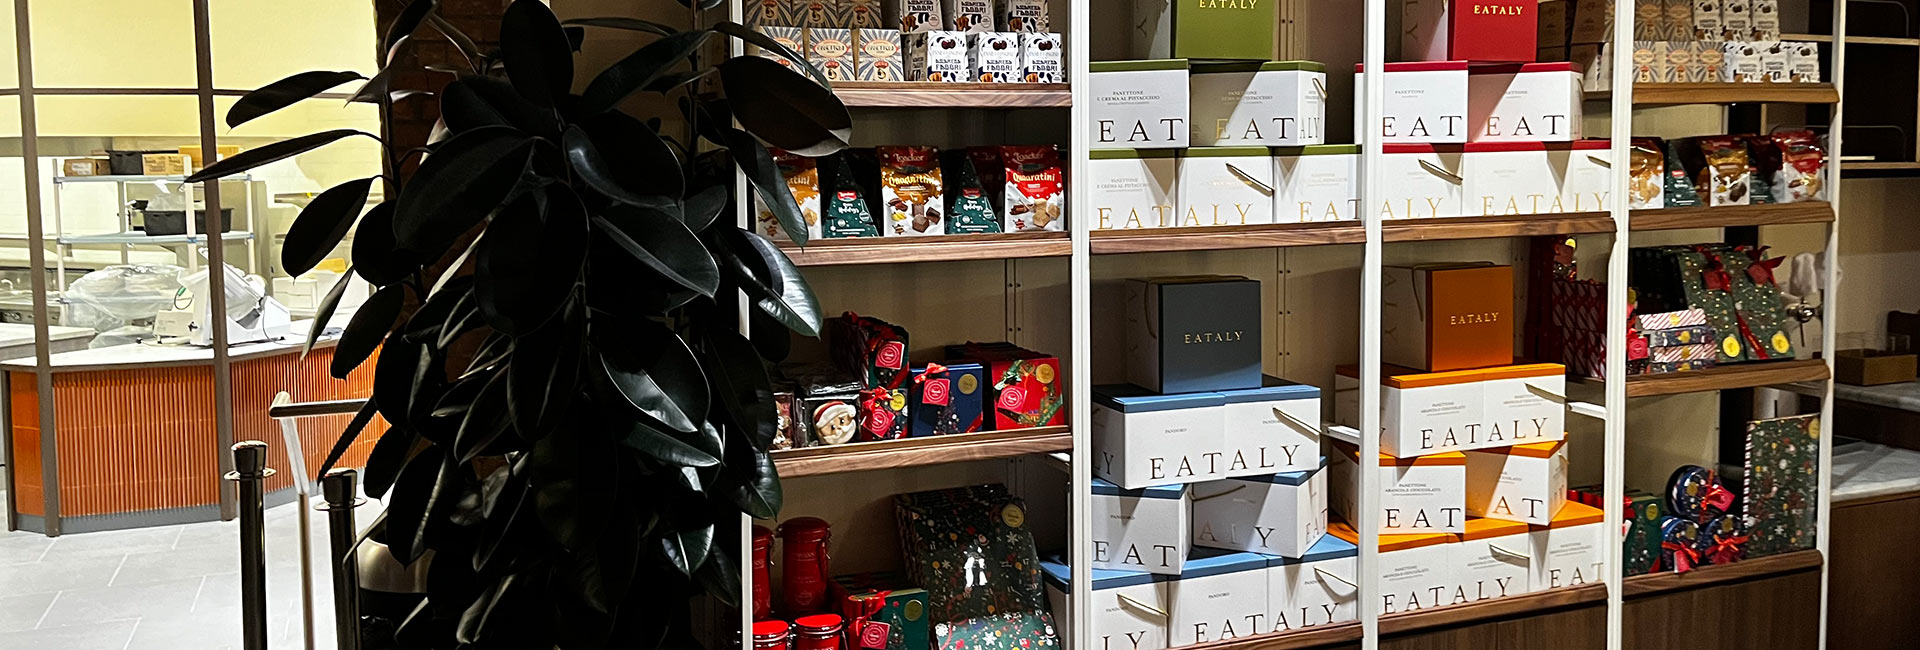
<point>935,392</point>
<point>1013,397</point>
<point>880,421</point>
<point>890,355</point>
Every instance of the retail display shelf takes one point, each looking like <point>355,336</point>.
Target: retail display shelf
<point>926,94</point>
<point>929,450</point>
<point>945,248</point>
<point>1657,583</point>
<point>1346,232</point>
<point>128,178</point>
<point>1727,93</point>
<point>1740,375</point>
<point>1733,215</point>
<point>1307,637</point>
<point>1493,609</point>
<point>143,238</point>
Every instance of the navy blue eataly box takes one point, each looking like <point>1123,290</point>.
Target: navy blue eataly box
<point>1194,333</point>
<point>948,399</point>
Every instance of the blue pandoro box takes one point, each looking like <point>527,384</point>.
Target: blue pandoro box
<point>948,399</point>
<point>1193,333</point>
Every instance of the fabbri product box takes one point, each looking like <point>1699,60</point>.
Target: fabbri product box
<point>1134,188</point>
<point>1424,413</point>
<point>1022,15</point>
<point>1042,60</point>
<point>1468,30</point>
<point>1494,560</point>
<point>1421,494</point>
<point>1272,104</point>
<point>1214,30</point>
<point>1139,104</point>
<point>1416,571</point>
<point>1422,181</point>
<point>1317,588</point>
<point>1571,550</point>
<point>1143,439</point>
<point>1277,514</point>
<point>1226,186</point>
<point>1316,183</point>
<point>1532,102</point>
<point>1129,607</point>
<point>1271,429</point>
<point>915,15</point>
<point>948,399</point>
<point>1423,102</point>
<point>1523,483</point>
<point>878,55</point>
<point>1193,333</point>
<point>1141,530</point>
<point>1442,317</point>
<point>887,599</point>
<point>994,57</point>
<point>1221,595</point>
<point>937,56</point>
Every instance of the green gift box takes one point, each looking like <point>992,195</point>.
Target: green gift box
<point>1214,30</point>
<point>886,598</point>
<point>1782,494</point>
<point>1642,553</point>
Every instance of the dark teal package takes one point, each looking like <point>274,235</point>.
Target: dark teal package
<point>948,399</point>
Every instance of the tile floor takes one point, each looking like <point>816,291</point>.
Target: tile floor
<point>170,588</point>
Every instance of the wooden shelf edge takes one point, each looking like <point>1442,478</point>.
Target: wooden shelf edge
<point>1497,608</point>
<point>942,248</point>
<point>1659,583</point>
<point>927,94</point>
<point>1768,214</point>
<point>1568,223</point>
<point>929,450</point>
<point>1726,93</point>
<point>1156,240</point>
<point>1309,637</point>
<point>1742,375</point>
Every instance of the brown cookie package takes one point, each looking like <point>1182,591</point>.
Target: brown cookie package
<point>910,188</point>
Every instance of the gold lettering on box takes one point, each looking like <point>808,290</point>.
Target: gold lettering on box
<point>1496,10</point>
<point>1229,4</point>
<point>1213,337</point>
<point>1473,319</point>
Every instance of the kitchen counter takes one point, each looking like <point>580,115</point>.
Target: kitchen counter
<point>153,355</point>
<point>16,340</point>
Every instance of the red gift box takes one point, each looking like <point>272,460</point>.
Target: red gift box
<point>1027,387</point>
<point>1480,31</point>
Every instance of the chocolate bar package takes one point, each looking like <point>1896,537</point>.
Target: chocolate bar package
<point>1680,192</point>
<point>803,180</point>
<point>994,57</point>
<point>937,56</point>
<point>877,57</point>
<point>1022,15</point>
<point>969,205</point>
<point>914,15</point>
<point>911,190</point>
<point>882,611</point>
<point>948,399</point>
<point>848,213</point>
<point>969,15</point>
<point>1026,388</point>
<point>1782,484</point>
<point>1034,191</point>
<point>1041,58</point>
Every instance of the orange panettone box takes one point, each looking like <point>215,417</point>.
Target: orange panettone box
<point>1447,316</point>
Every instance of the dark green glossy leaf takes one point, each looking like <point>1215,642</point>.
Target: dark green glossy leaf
<point>499,537</point>
<point>775,284</point>
<point>668,387</point>
<point>584,156</point>
<point>759,494</point>
<point>709,440</point>
<point>754,160</point>
<point>740,379</point>
<point>379,87</point>
<point>401,367</point>
<point>638,69</point>
<point>634,156</point>
<point>348,436</point>
<point>626,301</point>
<point>721,574</point>
<point>324,315</point>
<point>663,244</point>
<point>322,224</point>
<point>543,373</point>
<point>700,209</point>
<point>369,327</point>
<point>464,180</point>
<point>416,494</point>
<point>376,256</point>
<point>771,338</point>
<point>624,23</point>
<point>686,550</point>
<point>475,619</point>
<point>441,308</point>
<point>486,418</point>
<point>473,102</point>
<point>576,37</point>
<point>403,25</point>
<point>766,42</point>
<point>534,49</point>
<point>275,152</point>
<point>528,263</point>
<point>666,448</point>
<point>704,4</point>
<point>285,92</point>
<point>784,109</point>
<point>386,459</point>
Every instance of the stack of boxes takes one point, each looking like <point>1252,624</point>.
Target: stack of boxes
<point>1473,464</point>
<point>1680,41</point>
<point>916,40</point>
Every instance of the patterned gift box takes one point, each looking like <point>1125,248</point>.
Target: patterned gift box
<point>884,414</point>
<point>971,550</point>
<point>1642,552</point>
<point>1721,541</point>
<point>888,600</point>
<point>1672,319</point>
<point>948,399</point>
<point>878,55</point>
<point>1672,353</point>
<point>1027,388</point>
<point>1695,492</point>
<point>1782,484</point>
<point>873,349</point>
<point>858,14</point>
<point>1733,285</point>
<point>1028,630</point>
<point>1661,368</point>
<point>1679,544</point>
<point>1686,335</point>
<point>794,38</point>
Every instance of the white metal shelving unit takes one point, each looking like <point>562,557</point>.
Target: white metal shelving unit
<point>127,238</point>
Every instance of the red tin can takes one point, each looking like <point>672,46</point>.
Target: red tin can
<point>803,547</point>
<point>817,632</point>
<point>770,635</point>
<point>762,580</point>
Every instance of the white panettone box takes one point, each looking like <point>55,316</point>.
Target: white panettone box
<point>1279,514</point>
<point>1428,412</point>
<point>1570,551</point>
<point>1416,571</point>
<point>1424,102</point>
<point>1138,104</point>
<point>1143,439</point>
<point>1521,483</point>
<point>1524,102</point>
<point>1134,188</point>
<point>1422,181</point>
<point>1226,186</point>
<point>1318,588</point>
<point>1494,560</point>
<point>1316,183</point>
<point>1271,429</point>
<point>1271,104</point>
<point>1129,607</point>
<point>1141,530</point>
<point>1422,494</point>
<point>1221,595</point>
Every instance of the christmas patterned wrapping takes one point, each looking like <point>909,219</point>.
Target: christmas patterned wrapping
<point>883,414</point>
<point>1733,285</point>
<point>1676,366</point>
<point>883,611</point>
<point>1578,314</point>
<point>1695,493</point>
<point>1671,320</point>
<point>948,399</point>
<point>1686,335</point>
<point>870,348</point>
<point>1671,353</point>
<point>1721,541</point>
<point>1027,387</point>
<point>1782,484</point>
<point>1028,630</point>
<point>970,549</point>
<point>1679,544</point>
<point>1642,552</point>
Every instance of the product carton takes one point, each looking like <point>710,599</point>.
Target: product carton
<point>1422,494</point>
<point>994,57</point>
<point>793,13</point>
<point>1534,102</point>
<point>1589,183</point>
<point>820,14</point>
<point>1425,413</point>
<point>1022,15</point>
<point>1416,571</point>
<point>1031,183</point>
<point>1128,607</point>
<point>1273,428</point>
<point>1221,595</point>
<point>1226,186</point>
<point>1141,530</point>
<point>1134,188</point>
<point>1592,22</point>
<point>1025,387</point>
<point>1277,514</point>
<point>762,13</point>
<point>1468,30</point>
<point>1193,333</point>
<point>1042,60</point>
<point>1424,102</point>
<point>948,399</point>
<point>859,14</point>
<point>1523,483</point>
<point>85,167</point>
<point>1679,62</point>
<point>1571,550</point>
<point>878,57</point>
<point>1141,439</point>
<point>1741,63</point>
<point>1442,317</point>
<point>163,164</point>
<point>1494,560</point>
<point>1139,104</point>
<point>1316,183</point>
<point>831,50</point>
<point>1318,588</point>
<point>1736,20</point>
<point>937,56</point>
<point>1274,104</point>
<point>915,15</point>
<point>911,191</point>
<point>1766,20</point>
<point>1776,61</point>
<point>1552,25</point>
<point>1236,30</point>
<point>1805,62</point>
<point>1707,24</point>
<point>1521,178</point>
<point>793,38</point>
<point>1422,181</point>
<point>1649,20</point>
<point>885,598</point>
<point>969,15</point>
<point>1679,20</point>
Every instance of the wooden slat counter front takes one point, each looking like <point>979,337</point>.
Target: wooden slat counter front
<point>135,442</point>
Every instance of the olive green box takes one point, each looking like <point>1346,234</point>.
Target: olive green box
<point>1207,30</point>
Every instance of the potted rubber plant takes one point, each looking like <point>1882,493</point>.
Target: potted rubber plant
<point>576,421</point>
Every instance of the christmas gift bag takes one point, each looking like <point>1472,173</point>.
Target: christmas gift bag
<point>1782,484</point>
<point>970,549</point>
<point>876,351</point>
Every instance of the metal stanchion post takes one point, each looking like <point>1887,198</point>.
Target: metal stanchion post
<point>339,490</point>
<point>250,470</point>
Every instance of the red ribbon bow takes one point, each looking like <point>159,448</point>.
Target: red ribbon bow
<point>932,369</point>
<point>1718,497</point>
<point>878,404</point>
<point>1684,556</point>
<point>1762,270</point>
<point>1727,549</point>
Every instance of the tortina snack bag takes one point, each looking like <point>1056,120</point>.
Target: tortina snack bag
<point>1033,198</point>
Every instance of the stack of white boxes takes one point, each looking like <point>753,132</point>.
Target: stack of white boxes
<point>915,40</point>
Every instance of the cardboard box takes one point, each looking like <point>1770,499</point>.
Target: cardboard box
<point>1424,103</point>
<point>1221,595</point>
<point>1226,186</point>
<point>1453,30</point>
<point>1442,317</point>
<point>1776,61</point>
<point>910,16</point>
<point>1679,20</point>
<point>793,13</point>
<point>794,38</point>
<point>1596,65</point>
<point>1589,184</point>
<point>163,164</point>
<point>831,50</point>
<point>1274,104</point>
<point>1141,530</point>
<point>1679,64</point>
<point>1211,31</point>
<point>85,167</point>
<point>1552,26</point>
<point>1042,59</point>
<point>1139,104</point>
<point>819,14</point>
<point>1193,333</point>
<point>1873,367</point>
<point>1422,181</point>
<point>1425,413</point>
<point>1319,588</point>
<point>1022,15</point>
<point>1570,551</point>
<point>1710,63</point>
<point>1592,22</point>
<point>969,15</point>
<point>1521,483</point>
<point>1119,620</point>
<point>1741,63</point>
<point>1277,514</point>
<point>1141,439</point>
<point>1026,387</point>
<point>950,400</point>
<point>1534,102</point>
<point>1736,20</point>
<point>1416,571</point>
<point>1494,560</point>
<point>1316,183</point>
<point>1648,57</point>
<point>878,56</point>
<point>1766,20</point>
<point>859,14</point>
<point>762,13</point>
<point>1517,178</point>
<point>1649,20</point>
<point>994,57</point>
<point>1805,62</point>
<point>193,154</point>
<point>886,598</point>
<point>1707,22</point>
<point>1133,188</point>
<point>1271,429</point>
<point>1422,494</point>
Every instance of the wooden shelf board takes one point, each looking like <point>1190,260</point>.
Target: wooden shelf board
<point>1569,223</point>
<point>1877,165</point>
<point>944,248</point>
<point>1497,608</point>
<point>927,94</point>
<point>1727,93</point>
<point>1740,375</point>
<point>1657,583</point>
<point>1153,240</point>
<point>1308,637</point>
<point>1854,40</point>
<point>930,450</point>
<point>1733,215</point>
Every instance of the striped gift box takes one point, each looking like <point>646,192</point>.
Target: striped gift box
<point>1672,319</point>
<point>1663,367</point>
<point>1671,353</point>
<point>1691,335</point>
